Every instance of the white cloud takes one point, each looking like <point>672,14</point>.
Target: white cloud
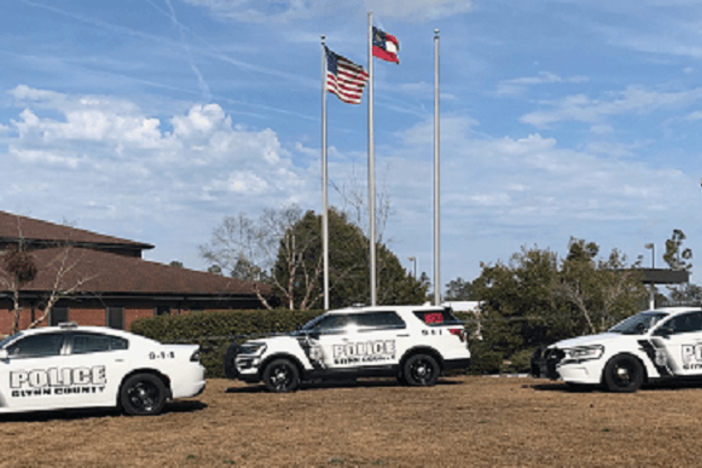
<point>519,85</point>
<point>283,11</point>
<point>118,156</point>
<point>419,10</point>
<point>634,99</point>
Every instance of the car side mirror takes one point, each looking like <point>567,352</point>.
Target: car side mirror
<point>3,355</point>
<point>665,332</point>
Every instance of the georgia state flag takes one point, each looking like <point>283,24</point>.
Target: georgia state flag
<point>385,46</point>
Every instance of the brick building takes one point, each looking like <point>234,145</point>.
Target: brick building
<point>103,280</point>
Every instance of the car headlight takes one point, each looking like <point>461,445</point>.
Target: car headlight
<point>585,352</point>
<point>252,348</point>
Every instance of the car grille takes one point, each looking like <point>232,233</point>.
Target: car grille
<point>544,362</point>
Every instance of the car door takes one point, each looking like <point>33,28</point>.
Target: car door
<point>31,373</point>
<point>381,339</point>
<point>356,342</point>
<point>99,362</point>
<point>323,341</point>
<point>681,337</point>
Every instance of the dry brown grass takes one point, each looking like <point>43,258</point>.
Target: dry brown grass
<point>463,421</point>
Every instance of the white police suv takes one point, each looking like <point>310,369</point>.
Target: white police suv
<point>413,343</point>
<point>652,345</point>
<point>76,367</point>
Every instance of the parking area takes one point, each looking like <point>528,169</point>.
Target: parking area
<point>463,421</point>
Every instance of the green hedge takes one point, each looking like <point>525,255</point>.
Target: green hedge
<point>214,331</point>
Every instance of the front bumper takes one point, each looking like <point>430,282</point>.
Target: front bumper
<point>544,362</point>
<point>242,367</point>
<point>551,363</point>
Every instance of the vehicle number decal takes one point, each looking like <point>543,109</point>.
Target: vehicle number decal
<point>162,355</point>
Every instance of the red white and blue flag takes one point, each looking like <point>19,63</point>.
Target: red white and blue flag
<point>345,78</point>
<point>385,46</point>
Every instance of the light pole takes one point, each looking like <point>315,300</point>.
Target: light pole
<point>414,265</point>
<point>652,246</point>
<point>652,299</point>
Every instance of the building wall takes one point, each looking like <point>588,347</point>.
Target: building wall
<point>93,312</point>
<point>92,315</point>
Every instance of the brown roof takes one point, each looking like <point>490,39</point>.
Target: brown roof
<point>106,273</point>
<point>14,226</point>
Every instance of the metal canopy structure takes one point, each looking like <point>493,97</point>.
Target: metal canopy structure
<point>664,276</point>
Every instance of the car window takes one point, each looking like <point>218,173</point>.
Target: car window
<point>95,343</point>
<point>331,324</point>
<point>44,344</point>
<point>378,320</point>
<point>437,317</point>
<point>684,323</point>
<point>638,324</point>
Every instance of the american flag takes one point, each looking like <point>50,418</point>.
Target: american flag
<point>345,78</point>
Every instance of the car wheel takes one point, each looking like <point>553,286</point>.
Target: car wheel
<point>229,362</point>
<point>623,373</point>
<point>281,375</point>
<point>421,370</point>
<point>143,395</point>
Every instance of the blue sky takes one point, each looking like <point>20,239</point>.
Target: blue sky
<point>153,119</point>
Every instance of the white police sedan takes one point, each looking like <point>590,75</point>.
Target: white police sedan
<point>80,367</point>
<point>654,345</point>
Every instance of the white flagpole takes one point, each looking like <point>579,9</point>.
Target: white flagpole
<point>371,163</point>
<point>437,184</point>
<point>325,190</point>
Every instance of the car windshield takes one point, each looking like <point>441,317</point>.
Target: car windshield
<point>7,339</point>
<point>306,328</point>
<point>639,323</point>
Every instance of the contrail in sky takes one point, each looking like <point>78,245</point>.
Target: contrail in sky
<point>206,94</point>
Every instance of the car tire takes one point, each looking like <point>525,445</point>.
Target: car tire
<point>143,395</point>
<point>421,370</point>
<point>623,374</point>
<point>281,376</point>
<point>229,362</point>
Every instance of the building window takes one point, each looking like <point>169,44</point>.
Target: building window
<point>114,317</point>
<point>163,310</point>
<point>58,315</point>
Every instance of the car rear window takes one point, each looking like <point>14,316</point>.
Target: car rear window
<point>438,317</point>
<point>95,343</point>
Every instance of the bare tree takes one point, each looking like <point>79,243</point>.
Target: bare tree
<point>249,248</point>
<point>354,195</point>
<point>65,282</point>
<point>20,267</point>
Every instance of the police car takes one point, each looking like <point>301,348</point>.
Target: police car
<point>652,345</point>
<point>76,367</point>
<point>413,343</point>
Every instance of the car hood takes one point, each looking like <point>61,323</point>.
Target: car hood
<point>275,339</point>
<point>588,340</point>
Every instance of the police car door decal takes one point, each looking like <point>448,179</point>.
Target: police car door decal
<point>365,352</point>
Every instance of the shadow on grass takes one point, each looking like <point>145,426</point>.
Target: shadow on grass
<point>350,383</point>
<point>563,387</point>
<point>94,413</point>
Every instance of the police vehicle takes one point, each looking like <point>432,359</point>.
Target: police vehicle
<point>76,367</point>
<point>413,343</point>
<point>652,345</point>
